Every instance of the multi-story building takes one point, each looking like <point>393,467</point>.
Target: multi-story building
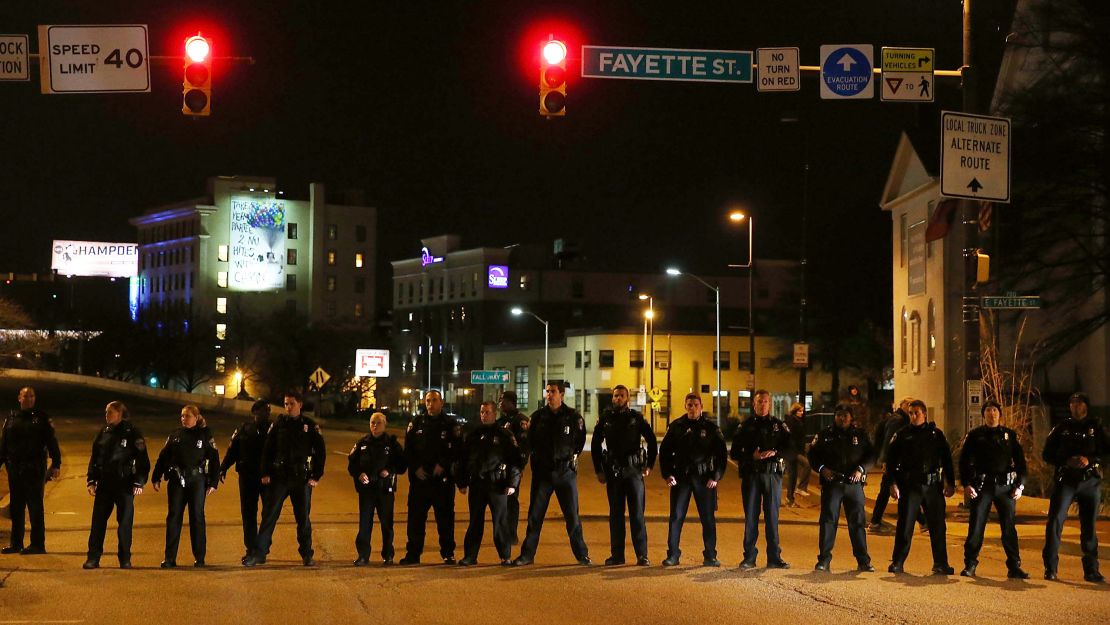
<point>247,248</point>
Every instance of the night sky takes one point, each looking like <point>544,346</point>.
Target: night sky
<point>431,108</point>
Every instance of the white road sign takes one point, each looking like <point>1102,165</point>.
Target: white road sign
<point>777,69</point>
<point>94,59</point>
<point>975,157</point>
<point>372,363</point>
<point>13,58</point>
<point>801,355</point>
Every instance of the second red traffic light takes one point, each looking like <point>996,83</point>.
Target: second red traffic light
<point>197,83</point>
<point>553,79</point>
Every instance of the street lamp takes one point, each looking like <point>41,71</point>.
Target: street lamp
<point>649,330</point>
<point>736,217</point>
<point>517,311</point>
<point>672,271</point>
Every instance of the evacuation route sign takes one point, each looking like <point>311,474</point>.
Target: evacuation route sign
<point>846,72</point>
<point>975,157</point>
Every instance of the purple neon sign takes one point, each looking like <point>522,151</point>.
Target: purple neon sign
<point>498,276</point>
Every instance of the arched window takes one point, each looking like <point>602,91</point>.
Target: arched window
<point>903,356</point>
<point>915,342</point>
<point>931,346</point>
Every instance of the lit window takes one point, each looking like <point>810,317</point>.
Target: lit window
<point>221,279</point>
<point>221,253</point>
<point>220,389</point>
<point>221,305</point>
<point>931,347</point>
<point>358,260</point>
<point>221,331</point>
<point>358,310</point>
<point>331,258</point>
<point>290,256</point>
<point>221,364</point>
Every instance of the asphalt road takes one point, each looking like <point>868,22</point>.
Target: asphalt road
<point>53,587</point>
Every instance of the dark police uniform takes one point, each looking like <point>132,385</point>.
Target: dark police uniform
<point>1075,437</point>
<point>371,455</point>
<point>557,437</point>
<point>490,464</point>
<point>517,423</point>
<point>693,452</point>
<point>119,463</point>
<point>761,481</point>
<point>920,463</point>
<point>886,431</point>
<point>623,434</point>
<point>797,469</point>
<point>431,441</point>
<point>292,455</point>
<point>27,438</point>
<point>843,451</point>
<point>191,465</point>
<point>993,463</point>
<point>245,452</point>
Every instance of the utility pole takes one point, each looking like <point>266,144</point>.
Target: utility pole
<point>970,231</point>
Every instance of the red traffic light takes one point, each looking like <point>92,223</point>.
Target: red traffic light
<point>554,52</point>
<point>197,49</point>
<point>553,79</point>
<point>196,85</point>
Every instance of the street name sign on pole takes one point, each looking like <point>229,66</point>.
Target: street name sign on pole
<point>14,58</point>
<point>777,69</point>
<point>732,66</point>
<point>492,376</point>
<point>975,157</point>
<point>94,59</point>
<point>907,75</point>
<point>846,72</point>
<point>996,302</point>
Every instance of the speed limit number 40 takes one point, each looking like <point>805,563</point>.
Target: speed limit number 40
<point>94,59</point>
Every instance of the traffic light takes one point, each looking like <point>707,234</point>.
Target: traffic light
<point>553,79</point>
<point>197,85</point>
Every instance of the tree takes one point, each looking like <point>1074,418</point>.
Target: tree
<point>20,344</point>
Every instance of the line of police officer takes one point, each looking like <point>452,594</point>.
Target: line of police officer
<point>287,460</point>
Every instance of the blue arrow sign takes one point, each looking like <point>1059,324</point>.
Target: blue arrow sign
<point>667,64</point>
<point>846,72</point>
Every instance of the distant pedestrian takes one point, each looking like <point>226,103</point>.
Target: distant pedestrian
<point>118,468</point>
<point>842,454</point>
<point>884,432</point>
<point>25,441</point>
<point>190,463</point>
<point>488,472</point>
<point>245,452</point>
<point>797,465</point>
<point>760,448</point>
<point>516,422</point>
<point>692,461</point>
<point>432,443</point>
<point>375,462</point>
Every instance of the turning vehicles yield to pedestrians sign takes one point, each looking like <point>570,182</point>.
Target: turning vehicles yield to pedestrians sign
<point>975,157</point>
<point>907,75</point>
<point>846,72</point>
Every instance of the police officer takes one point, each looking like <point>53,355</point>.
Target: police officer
<point>886,430</point>
<point>1078,447</point>
<point>842,454</point>
<point>921,466</point>
<point>292,465</point>
<point>245,452</point>
<point>992,470</point>
<point>760,447</point>
<point>431,444</point>
<point>623,452</point>
<point>557,434</point>
<point>118,469</point>
<point>190,463</point>
<point>488,472</point>
<point>25,441</point>
<point>797,468</point>
<point>517,423</point>
<point>375,462</point>
<point>692,460</point>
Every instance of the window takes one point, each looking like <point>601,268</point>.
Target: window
<point>586,359</point>
<point>221,305</point>
<point>360,233</point>
<point>586,404</point>
<point>725,362</point>
<point>577,360</point>
<point>360,285</point>
<point>221,364</point>
<point>221,331</point>
<point>221,279</point>
<point>520,380</point>
<point>358,309</point>
<point>358,260</point>
<point>931,346</point>
<point>219,389</point>
<point>744,361</point>
<point>915,342</point>
<point>333,232</point>
<point>331,283</point>
<point>290,282</point>
<point>662,359</point>
<point>290,256</point>
<point>331,258</point>
<point>221,253</point>
<point>903,356</point>
<point>291,231</point>
<point>605,358</point>
<point>524,282</point>
<point>636,358</point>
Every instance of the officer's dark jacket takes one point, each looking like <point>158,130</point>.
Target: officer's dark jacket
<point>294,450</point>
<point>517,423</point>
<point>370,455</point>
<point>763,433</point>
<point>188,452</point>
<point>119,456</point>
<point>918,450</point>
<point>27,438</point>
<point>693,448</point>
<point>843,450</point>
<point>991,451</point>
<point>622,432</point>
<point>490,458</point>
<point>1077,437</point>
<point>557,437</point>
<point>245,450</point>
<point>431,441</point>
<point>886,431</point>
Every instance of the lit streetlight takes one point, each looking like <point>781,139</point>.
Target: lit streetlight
<point>517,311</point>
<point>672,271</point>
<point>649,348</point>
<point>736,217</point>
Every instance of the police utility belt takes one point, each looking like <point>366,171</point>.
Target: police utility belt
<point>495,475</point>
<point>298,470</point>
<point>997,479</point>
<point>184,474</point>
<point>566,463</point>
<point>1068,474</point>
<point>843,478</point>
<point>700,469</point>
<point>774,466</point>
<point>630,465</point>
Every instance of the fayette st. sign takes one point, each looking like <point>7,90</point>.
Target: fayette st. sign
<point>95,258</point>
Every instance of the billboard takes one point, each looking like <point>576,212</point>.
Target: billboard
<point>95,258</point>
<point>256,254</point>
<point>372,363</point>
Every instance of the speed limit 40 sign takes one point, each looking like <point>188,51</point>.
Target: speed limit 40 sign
<point>94,59</point>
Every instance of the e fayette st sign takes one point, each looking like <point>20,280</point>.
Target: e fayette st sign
<point>733,66</point>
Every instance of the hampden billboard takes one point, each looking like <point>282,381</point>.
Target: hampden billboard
<point>95,258</point>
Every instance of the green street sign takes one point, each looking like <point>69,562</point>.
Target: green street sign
<point>495,376</point>
<point>734,66</point>
<point>1011,301</point>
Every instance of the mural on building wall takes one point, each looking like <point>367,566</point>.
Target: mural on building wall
<point>256,257</point>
